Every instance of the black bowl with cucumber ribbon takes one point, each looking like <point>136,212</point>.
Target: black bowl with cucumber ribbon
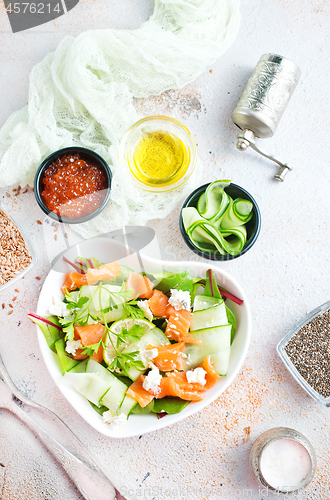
<point>220,221</point>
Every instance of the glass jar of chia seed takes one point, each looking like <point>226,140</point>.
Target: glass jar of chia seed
<point>305,351</point>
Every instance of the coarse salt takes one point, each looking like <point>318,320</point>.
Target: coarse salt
<point>285,464</point>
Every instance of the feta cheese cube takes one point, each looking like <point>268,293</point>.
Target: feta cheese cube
<point>58,308</point>
<point>196,376</point>
<point>114,420</point>
<point>143,305</point>
<point>72,346</point>
<point>152,381</point>
<point>180,300</point>
<point>146,355</point>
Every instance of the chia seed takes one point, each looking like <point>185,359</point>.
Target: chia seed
<point>309,351</point>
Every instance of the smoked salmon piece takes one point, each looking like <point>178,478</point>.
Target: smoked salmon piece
<point>175,384</point>
<point>137,392</point>
<point>170,357</point>
<point>106,272</point>
<point>158,303</point>
<point>75,280</point>
<point>178,326</point>
<point>211,375</point>
<point>183,392</point>
<point>141,285</point>
<point>178,321</point>
<point>88,335</point>
<point>149,284</point>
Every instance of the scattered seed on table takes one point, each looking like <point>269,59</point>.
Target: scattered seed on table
<point>39,222</point>
<point>247,434</point>
<point>10,312</point>
<point>13,300</point>
<point>25,191</point>
<point>3,305</point>
<point>11,305</point>
<point>16,290</point>
<point>38,278</point>
<point>55,237</point>
<point>309,351</point>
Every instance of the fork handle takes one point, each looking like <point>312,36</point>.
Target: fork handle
<point>91,484</point>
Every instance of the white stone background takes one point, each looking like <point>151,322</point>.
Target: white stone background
<point>285,275</point>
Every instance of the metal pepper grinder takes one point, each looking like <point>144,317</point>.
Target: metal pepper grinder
<point>263,102</point>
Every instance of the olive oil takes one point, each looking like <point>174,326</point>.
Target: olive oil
<point>160,159</point>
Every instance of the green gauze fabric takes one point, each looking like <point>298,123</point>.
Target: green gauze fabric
<point>82,94</point>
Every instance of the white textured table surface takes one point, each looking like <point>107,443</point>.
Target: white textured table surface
<point>286,274</point>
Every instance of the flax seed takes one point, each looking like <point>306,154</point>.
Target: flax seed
<point>14,253</point>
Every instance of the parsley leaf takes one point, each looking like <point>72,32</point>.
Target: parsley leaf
<point>125,361</point>
<point>134,312</point>
<point>133,334</point>
<point>79,314</point>
<point>67,324</point>
<point>72,303</point>
<point>95,318</point>
<point>90,349</point>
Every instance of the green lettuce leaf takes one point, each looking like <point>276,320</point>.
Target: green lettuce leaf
<point>50,327</point>
<point>169,405</point>
<point>181,281</point>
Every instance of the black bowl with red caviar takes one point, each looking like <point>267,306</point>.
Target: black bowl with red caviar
<point>72,185</point>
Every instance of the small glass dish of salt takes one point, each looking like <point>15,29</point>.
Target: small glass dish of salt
<point>283,460</point>
<point>305,351</point>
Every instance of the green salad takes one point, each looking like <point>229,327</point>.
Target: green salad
<point>137,343</point>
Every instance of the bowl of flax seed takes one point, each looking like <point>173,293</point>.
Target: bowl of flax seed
<point>305,351</point>
<point>17,255</point>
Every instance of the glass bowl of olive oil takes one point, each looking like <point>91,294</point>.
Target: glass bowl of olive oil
<point>159,153</point>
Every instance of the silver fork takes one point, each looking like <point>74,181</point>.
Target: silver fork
<point>92,485</point>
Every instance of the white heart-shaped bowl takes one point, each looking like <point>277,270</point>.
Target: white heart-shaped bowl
<point>106,250</point>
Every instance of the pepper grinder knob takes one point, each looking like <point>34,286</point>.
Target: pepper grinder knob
<point>247,138</point>
<point>282,173</point>
<point>242,144</point>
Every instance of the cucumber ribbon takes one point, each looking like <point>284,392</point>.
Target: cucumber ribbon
<point>218,222</point>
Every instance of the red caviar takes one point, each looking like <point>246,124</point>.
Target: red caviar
<point>74,187</point>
